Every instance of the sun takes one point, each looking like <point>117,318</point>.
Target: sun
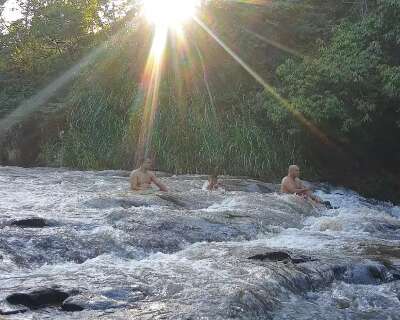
<point>170,13</point>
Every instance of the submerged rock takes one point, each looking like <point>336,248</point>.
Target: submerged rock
<point>31,223</point>
<point>342,303</point>
<point>90,302</point>
<point>108,203</point>
<point>71,307</point>
<point>249,185</point>
<point>11,312</point>
<point>281,257</point>
<point>175,200</point>
<point>38,298</point>
<point>272,256</point>
<point>368,273</point>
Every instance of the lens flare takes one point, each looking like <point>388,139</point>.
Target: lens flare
<point>169,13</point>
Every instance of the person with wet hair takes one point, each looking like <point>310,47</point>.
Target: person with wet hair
<point>293,185</point>
<point>213,183</point>
<point>142,178</point>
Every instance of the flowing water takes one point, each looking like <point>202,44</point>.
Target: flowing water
<point>121,255</point>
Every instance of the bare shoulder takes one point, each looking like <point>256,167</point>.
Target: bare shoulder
<point>285,180</point>
<point>134,173</point>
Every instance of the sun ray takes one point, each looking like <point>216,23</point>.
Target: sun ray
<point>39,100</point>
<point>274,43</point>
<point>166,16</point>
<point>298,115</point>
<point>205,79</point>
<point>29,106</point>
<point>151,86</point>
<point>169,13</point>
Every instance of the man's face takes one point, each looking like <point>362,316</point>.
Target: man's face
<point>147,164</point>
<point>295,171</point>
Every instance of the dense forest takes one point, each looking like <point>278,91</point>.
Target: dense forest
<point>246,89</point>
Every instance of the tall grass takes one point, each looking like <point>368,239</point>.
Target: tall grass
<point>191,134</point>
<point>230,143</point>
<point>101,134</point>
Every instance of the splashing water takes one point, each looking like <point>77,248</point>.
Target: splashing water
<point>125,256</point>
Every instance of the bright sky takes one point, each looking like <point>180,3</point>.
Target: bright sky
<point>11,11</point>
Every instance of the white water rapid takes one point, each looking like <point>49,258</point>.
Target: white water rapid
<point>98,251</point>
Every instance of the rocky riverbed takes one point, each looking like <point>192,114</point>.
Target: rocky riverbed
<point>80,245</point>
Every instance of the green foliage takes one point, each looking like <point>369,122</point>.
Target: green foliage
<point>51,36</point>
<point>350,88</point>
<point>336,65</point>
<point>229,144</point>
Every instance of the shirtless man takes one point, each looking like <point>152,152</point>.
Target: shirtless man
<point>142,178</point>
<point>293,185</point>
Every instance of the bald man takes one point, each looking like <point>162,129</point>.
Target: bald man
<point>142,178</point>
<point>293,185</point>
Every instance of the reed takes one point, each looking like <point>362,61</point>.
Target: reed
<point>191,133</point>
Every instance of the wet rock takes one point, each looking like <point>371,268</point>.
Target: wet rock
<point>377,272</point>
<point>31,223</point>
<point>280,256</point>
<point>395,275</point>
<point>302,259</point>
<point>249,185</point>
<point>11,312</point>
<point>192,202</point>
<point>126,204</point>
<point>175,200</point>
<point>38,298</point>
<point>90,302</point>
<point>130,294</point>
<point>342,303</point>
<point>328,205</point>
<point>71,307</point>
<point>381,250</point>
<point>384,227</point>
<point>108,203</point>
<point>368,273</point>
<point>271,256</point>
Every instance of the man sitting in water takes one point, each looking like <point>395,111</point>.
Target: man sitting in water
<point>293,185</point>
<point>142,178</point>
<point>212,183</point>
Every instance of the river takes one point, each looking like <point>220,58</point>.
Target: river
<point>244,253</point>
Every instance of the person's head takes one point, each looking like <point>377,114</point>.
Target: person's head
<point>212,182</point>
<point>212,179</point>
<point>294,171</point>
<point>146,163</point>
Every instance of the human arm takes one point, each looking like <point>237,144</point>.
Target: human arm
<point>158,183</point>
<point>296,187</point>
<point>308,192</point>
<point>135,186</point>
